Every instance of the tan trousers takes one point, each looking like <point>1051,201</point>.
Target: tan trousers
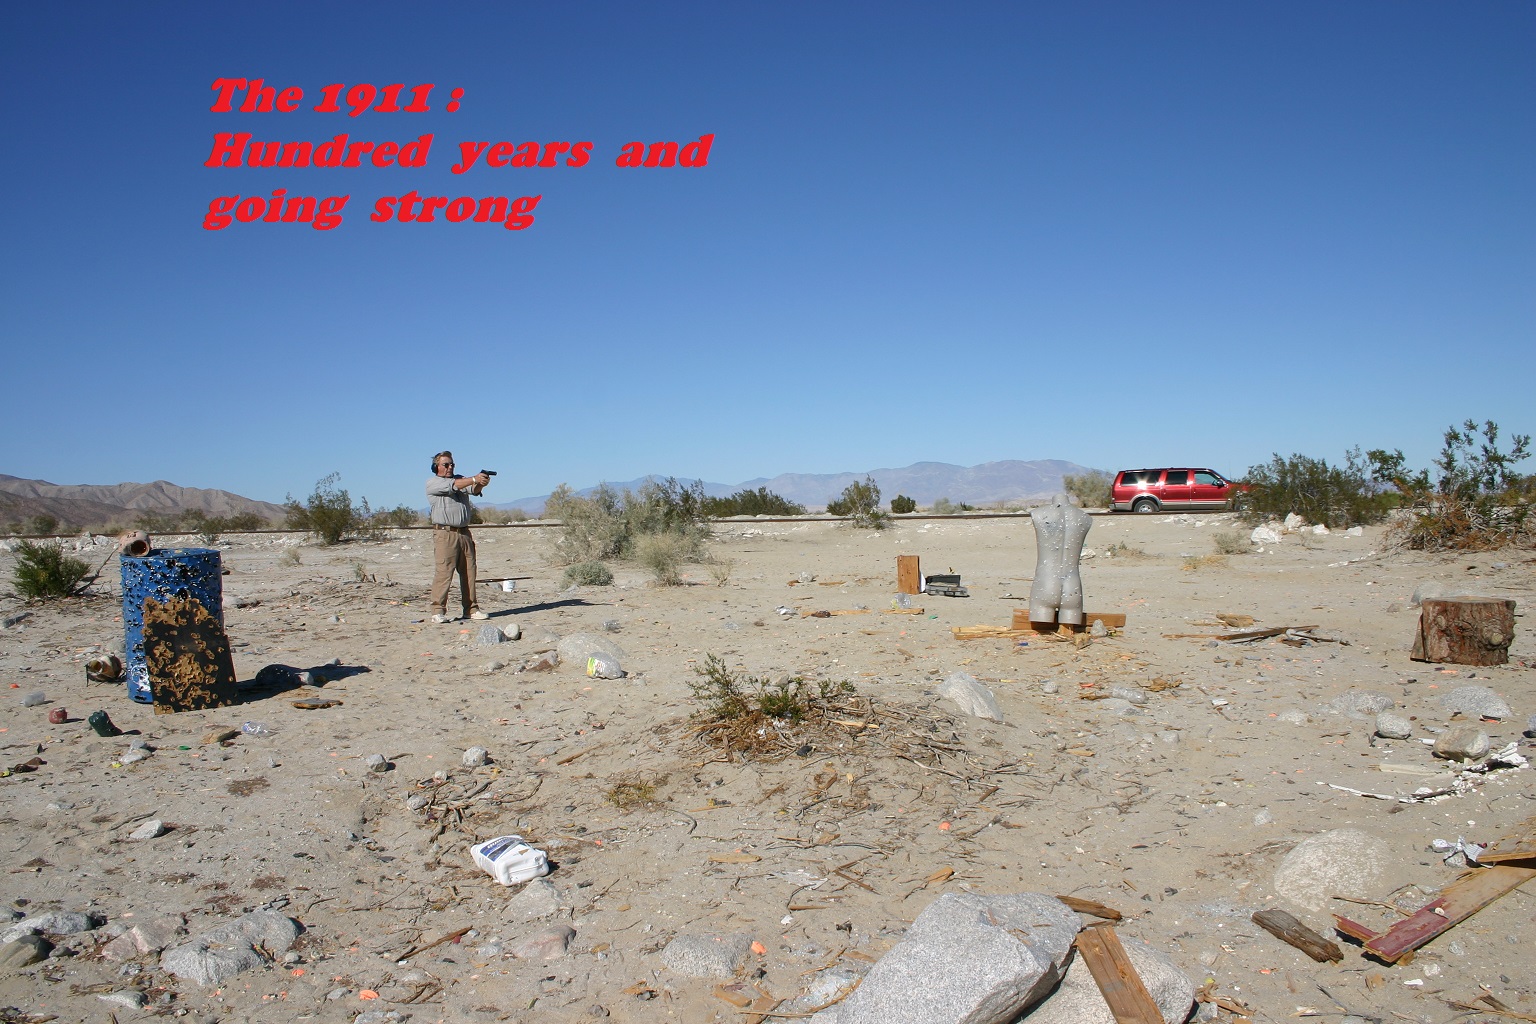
<point>453,551</point>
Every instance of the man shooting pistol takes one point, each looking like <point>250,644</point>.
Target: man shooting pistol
<point>453,547</point>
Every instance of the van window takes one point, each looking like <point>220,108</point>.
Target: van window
<point>1206,477</point>
<point>1137,478</point>
<point>1177,478</point>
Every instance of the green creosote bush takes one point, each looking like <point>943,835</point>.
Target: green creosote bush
<point>945,507</point>
<point>399,517</point>
<point>329,513</point>
<point>759,502</point>
<point>860,504</point>
<point>1091,489</point>
<point>725,697</point>
<point>902,505</point>
<point>44,572</point>
<point>588,574</point>
<point>501,516</point>
<point>1230,542</point>
<point>1476,502</point>
<point>609,524</point>
<point>42,525</point>
<point>1335,496</point>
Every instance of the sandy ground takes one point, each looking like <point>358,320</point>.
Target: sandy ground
<point>1177,815</point>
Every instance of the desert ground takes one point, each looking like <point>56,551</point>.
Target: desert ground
<point>1176,807</point>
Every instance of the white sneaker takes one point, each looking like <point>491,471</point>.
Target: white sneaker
<point>478,614</point>
<point>440,617</point>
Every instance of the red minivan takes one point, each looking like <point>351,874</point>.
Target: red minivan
<point>1171,490</point>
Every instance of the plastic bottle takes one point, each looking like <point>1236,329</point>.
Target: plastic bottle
<point>256,729</point>
<point>509,860</point>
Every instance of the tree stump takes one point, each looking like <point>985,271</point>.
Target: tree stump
<point>1465,630</point>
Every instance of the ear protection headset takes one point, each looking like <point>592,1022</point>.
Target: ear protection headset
<point>434,461</point>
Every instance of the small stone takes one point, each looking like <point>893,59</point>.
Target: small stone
<point>1098,629</point>
<point>1050,687</point>
<point>33,699</point>
<point>539,898</point>
<point>133,756</point>
<point>1475,702</point>
<point>1393,727</point>
<point>129,997</point>
<point>512,631</point>
<point>494,666</point>
<point>611,626</point>
<point>223,952</point>
<point>1530,726</point>
<point>1294,717</point>
<point>489,636</point>
<point>149,830</point>
<point>1362,703</point>
<point>474,757</point>
<point>1263,817</point>
<point>1462,743</point>
<point>547,944</point>
<point>707,955</point>
<point>376,763</point>
<point>416,801</point>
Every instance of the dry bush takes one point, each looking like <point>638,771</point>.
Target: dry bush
<point>756,717</point>
<point>1231,542</point>
<point>664,554</point>
<point>1123,550</point>
<point>631,791</point>
<point>1194,563</point>
<point>588,574</point>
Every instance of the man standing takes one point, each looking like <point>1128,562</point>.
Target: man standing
<point>453,547</point>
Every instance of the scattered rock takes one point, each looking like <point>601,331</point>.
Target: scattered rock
<point>23,952</point>
<point>512,631</point>
<point>707,955</point>
<point>829,985</point>
<point>548,944</point>
<point>578,647</point>
<point>376,763</point>
<point>1127,693</point>
<point>1264,535</point>
<point>55,922</point>
<point>1475,702</point>
<point>1079,1001</point>
<point>1462,743</point>
<point>1294,522</point>
<point>967,959</point>
<point>1291,716</point>
<point>970,696</point>
<point>539,898</point>
<point>149,830</point>
<point>489,636</point>
<point>1362,703</point>
<point>1344,860</point>
<point>223,952</point>
<point>475,757</point>
<point>149,933</point>
<point>1393,727</point>
<point>129,997</point>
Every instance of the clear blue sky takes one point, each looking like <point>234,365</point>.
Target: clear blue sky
<point>1113,233</point>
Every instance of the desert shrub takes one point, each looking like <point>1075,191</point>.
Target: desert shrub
<point>724,697</point>
<point>588,574</point>
<point>1335,496</point>
<point>720,570</point>
<point>43,571</point>
<point>1231,542</point>
<point>1476,501</point>
<point>399,517</point>
<point>1194,563</point>
<point>631,791</point>
<point>329,513</point>
<point>1091,489</point>
<point>501,516</point>
<point>1121,549</point>
<point>945,507</point>
<point>608,524</point>
<point>664,554</point>
<point>759,502</point>
<point>42,525</point>
<point>290,556</point>
<point>860,503</point>
<point>901,505</point>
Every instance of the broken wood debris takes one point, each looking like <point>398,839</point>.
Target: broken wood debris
<point>1112,971</point>
<point>1302,634</point>
<point>1082,906</point>
<point>1288,929</point>
<point>1514,864</point>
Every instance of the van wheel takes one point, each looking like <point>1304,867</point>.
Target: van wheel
<point>1144,505</point>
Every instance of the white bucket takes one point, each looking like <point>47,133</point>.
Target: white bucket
<point>509,585</point>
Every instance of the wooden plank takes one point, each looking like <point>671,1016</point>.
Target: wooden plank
<point>1459,901</point>
<point>1287,929</point>
<point>1118,981</point>
<point>988,632</point>
<point>1465,630</point>
<point>909,578</point>
<point>1113,620</point>
<point>1517,847</point>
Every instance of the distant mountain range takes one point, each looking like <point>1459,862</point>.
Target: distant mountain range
<point>923,482</point>
<point>76,506</point>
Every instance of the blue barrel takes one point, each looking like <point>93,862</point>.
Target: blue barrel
<point>163,574</point>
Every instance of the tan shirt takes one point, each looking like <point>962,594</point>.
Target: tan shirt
<point>450,506</point>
